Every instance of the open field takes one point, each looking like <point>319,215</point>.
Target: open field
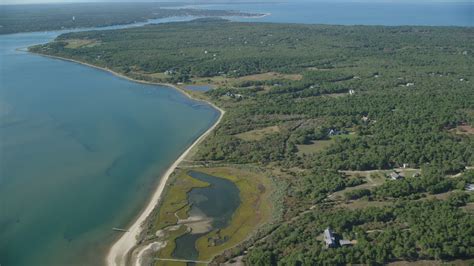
<point>270,76</point>
<point>464,130</point>
<point>258,134</point>
<point>80,43</point>
<point>315,146</point>
<point>320,145</point>
<point>222,80</point>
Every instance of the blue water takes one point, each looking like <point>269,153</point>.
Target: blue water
<point>360,13</point>
<point>80,152</point>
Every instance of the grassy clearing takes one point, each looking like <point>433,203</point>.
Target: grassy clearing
<point>314,147</point>
<point>258,134</point>
<point>469,207</point>
<point>159,75</point>
<point>463,130</point>
<point>270,76</point>
<point>320,145</point>
<point>217,80</point>
<point>175,200</point>
<point>432,263</point>
<point>222,80</point>
<point>361,204</point>
<point>255,209</point>
<point>80,43</point>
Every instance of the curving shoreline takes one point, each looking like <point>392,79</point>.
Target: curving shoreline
<point>120,250</point>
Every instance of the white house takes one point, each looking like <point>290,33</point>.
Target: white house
<point>395,176</point>
<point>329,238</point>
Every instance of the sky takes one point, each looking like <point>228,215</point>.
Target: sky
<point>197,1</point>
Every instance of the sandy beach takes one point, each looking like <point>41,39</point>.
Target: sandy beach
<point>119,252</point>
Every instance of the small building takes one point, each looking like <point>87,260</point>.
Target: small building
<point>329,238</point>
<point>395,176</point>
<point>333,241</point>
<point>169,72</point>
<point>470,187</point>
<point>333,132</point>
<point>232,95</point>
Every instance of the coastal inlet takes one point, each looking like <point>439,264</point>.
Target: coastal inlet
<point>205,212</point>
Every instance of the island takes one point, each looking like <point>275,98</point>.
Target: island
<point>347,144</point>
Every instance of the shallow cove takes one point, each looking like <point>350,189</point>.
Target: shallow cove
<point>80,152</point>
<point>218,201</point>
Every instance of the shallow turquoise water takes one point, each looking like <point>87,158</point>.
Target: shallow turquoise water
<point>80,152</point>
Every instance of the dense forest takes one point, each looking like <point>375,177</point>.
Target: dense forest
<point>27,18</point>
<point>350,105</point>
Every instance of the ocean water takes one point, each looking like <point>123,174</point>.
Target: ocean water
<point>80,152</point>
<point>391,13</point>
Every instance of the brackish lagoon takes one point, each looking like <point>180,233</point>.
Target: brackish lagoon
<point>217,202</point>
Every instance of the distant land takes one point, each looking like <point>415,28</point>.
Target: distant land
<point>28,18</point>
